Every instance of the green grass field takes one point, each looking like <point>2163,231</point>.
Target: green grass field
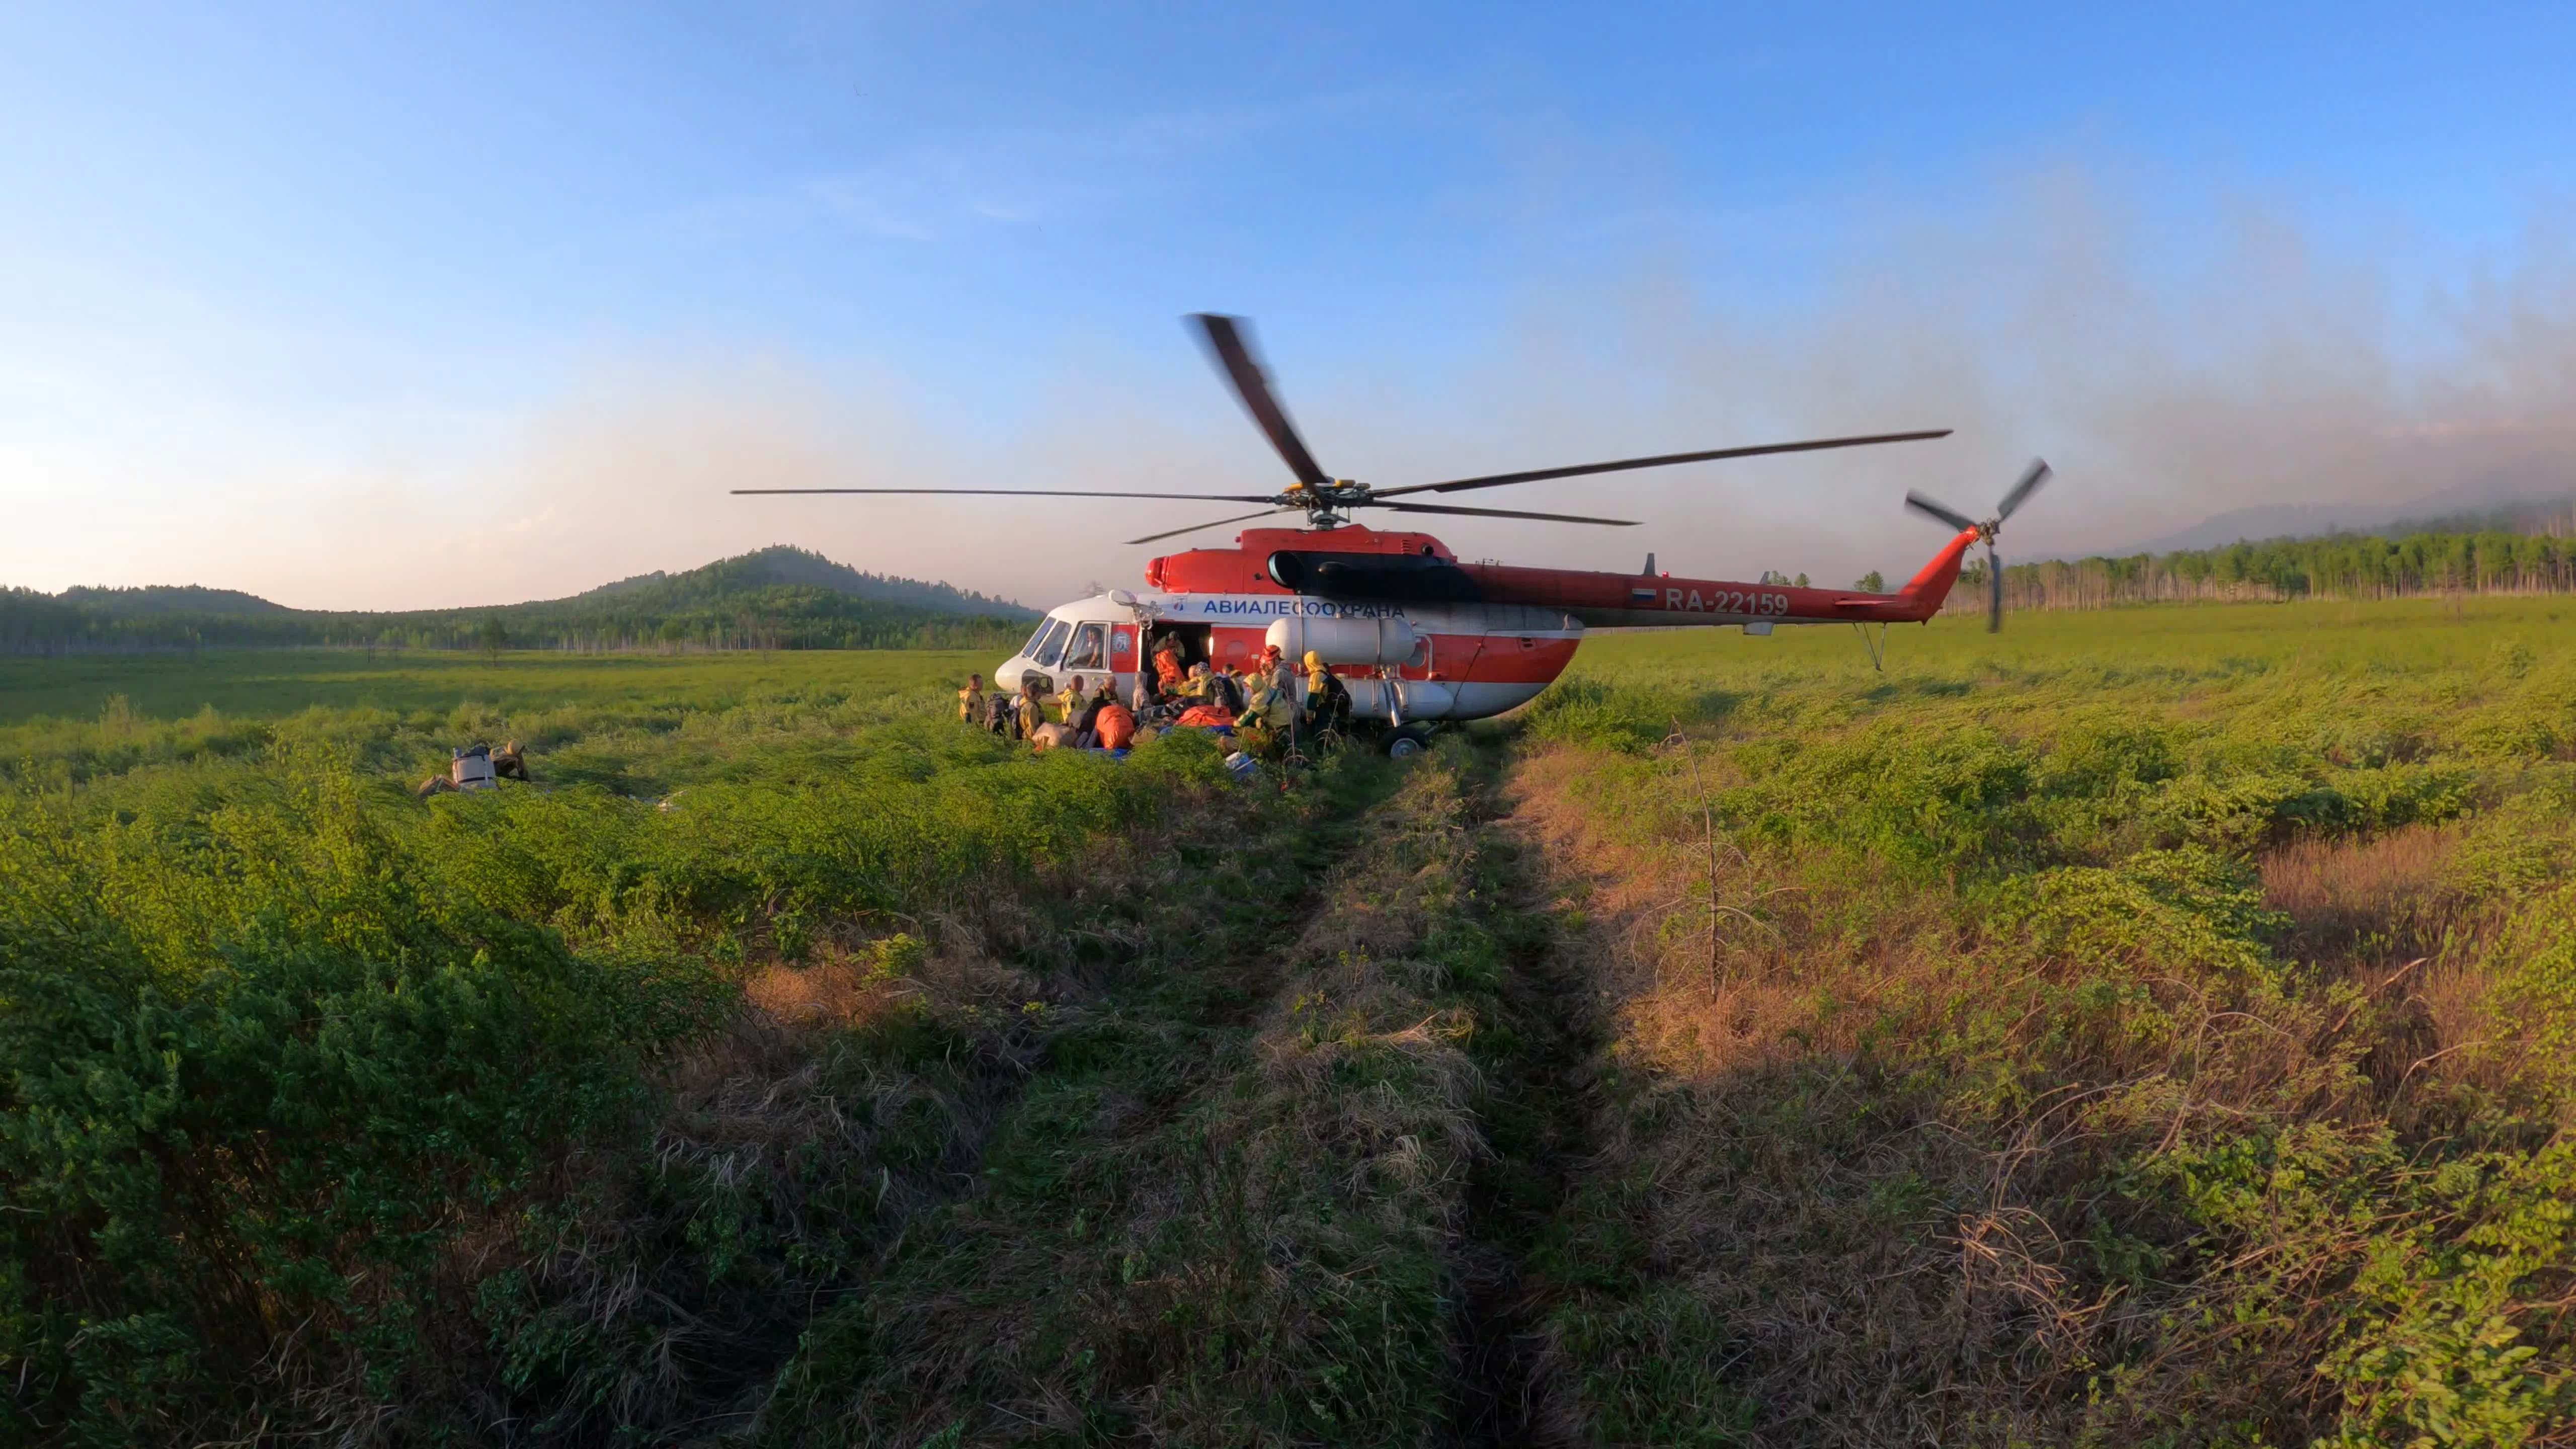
<point>635,724</point>
<point>273,683</point>
<point>2146,1026</point>
<point>2198,639</point>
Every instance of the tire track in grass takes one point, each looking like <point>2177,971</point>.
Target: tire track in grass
<point>1322,1222</point>
<point>1115,1233</point>
<point>1537,1111</point>
<point>859,1090</point>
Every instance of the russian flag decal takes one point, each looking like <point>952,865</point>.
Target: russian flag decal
<point>1641,596</point>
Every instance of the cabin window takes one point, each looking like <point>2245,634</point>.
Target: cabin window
<point>1090,648</point>
<point>1050,643</point>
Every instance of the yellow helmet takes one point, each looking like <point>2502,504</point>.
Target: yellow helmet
<point>1314,660</point>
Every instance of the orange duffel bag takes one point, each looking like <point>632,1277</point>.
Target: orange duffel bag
<point>1115,726</point>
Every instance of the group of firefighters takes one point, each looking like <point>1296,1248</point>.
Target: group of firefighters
<point>1258,706</point>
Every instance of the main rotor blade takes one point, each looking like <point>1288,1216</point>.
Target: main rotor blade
<point>1994,591</point>
<point>1040,493</point>
<point>1498,513</point>
<point>1939,510</point>
<point>2031,478</point>
<point>1496,480</point>
<point>1232,349</point>
<point>1195,527</point>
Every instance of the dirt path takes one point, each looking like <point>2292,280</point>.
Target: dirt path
<point>1537,1117</point>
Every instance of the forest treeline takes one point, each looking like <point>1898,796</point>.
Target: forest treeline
<point>2337,566</point>
<point>779,598</point>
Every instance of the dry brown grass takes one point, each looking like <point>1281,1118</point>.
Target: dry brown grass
<point>2357,896</point>
<point>841,1102</point>
<point>1878,1258</point>
<point>833,991</point>
<point>2381,911</point>
<point>1768,1227</point>
<point>1701,991</point>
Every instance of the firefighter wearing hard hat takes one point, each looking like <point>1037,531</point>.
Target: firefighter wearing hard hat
<point>1328,700</point>
<point>1262,727</point>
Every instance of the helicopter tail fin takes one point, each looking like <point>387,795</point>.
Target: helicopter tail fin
<point>1924,593</point>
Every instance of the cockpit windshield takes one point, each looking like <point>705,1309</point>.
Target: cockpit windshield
<point>1089,650</point>
<point>1049,643</point>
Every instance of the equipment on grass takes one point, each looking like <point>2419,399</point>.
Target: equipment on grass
<point>478,767</point>
<point>1419,637</point>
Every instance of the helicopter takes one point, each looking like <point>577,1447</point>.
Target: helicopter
<point>1420,637</point>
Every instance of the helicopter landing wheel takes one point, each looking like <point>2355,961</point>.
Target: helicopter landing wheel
<point>1407,742</point>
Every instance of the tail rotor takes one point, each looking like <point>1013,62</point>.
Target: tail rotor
<point>2028,484</point>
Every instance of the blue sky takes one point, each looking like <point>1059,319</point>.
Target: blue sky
<point>356,307</point>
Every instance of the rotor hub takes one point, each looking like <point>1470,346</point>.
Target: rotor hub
<point>1327,504</point>
<point>1985,530</point>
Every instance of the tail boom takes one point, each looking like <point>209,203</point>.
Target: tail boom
<point>1629,601</point>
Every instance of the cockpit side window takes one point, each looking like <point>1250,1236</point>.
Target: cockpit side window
<point>1050,644</point>
<point>1089,651</point>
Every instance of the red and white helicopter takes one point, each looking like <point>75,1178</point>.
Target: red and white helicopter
<point>1420,637</point>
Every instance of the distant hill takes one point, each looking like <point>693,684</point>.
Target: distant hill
<point>776,598</point>
<point>2508,501</point>
<point>162,599</point>
<point>782,564</point>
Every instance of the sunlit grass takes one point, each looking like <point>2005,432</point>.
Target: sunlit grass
<point>271,683</point>
<point>636,724</point>
<point>2144,1026</point>
<point>2180,641</point>
<point>394,1118</point>
<point>2149,1025</point>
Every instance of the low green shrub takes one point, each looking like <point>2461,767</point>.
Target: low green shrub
<point>1615,717</point>
<point>318,1101</point>
<point>2155,1032</point>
